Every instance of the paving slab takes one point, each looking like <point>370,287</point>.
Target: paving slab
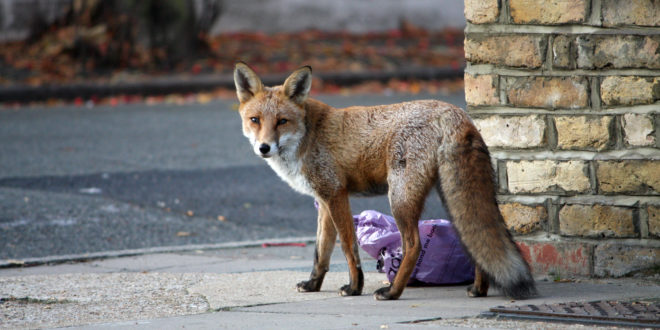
<point>74,299</point>
<point>452,302</point>
<point>255,288</point>
<point>272,288</point>
<point>87,299</point>
<point>251,320</point>
<point>249,258</point>
<point>41,301</point>
<point>436,307</point>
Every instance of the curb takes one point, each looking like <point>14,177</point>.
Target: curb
<point>50,260</point>
<point>189,84</point>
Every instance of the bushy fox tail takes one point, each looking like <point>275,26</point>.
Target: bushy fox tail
<point>467,187</point>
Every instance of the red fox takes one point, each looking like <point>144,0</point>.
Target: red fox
<point>402,150</point>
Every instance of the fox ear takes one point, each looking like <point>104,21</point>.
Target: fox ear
<point>297,86</point>
<point>247,82</point>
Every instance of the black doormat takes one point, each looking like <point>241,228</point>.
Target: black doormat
<point>640,313</point>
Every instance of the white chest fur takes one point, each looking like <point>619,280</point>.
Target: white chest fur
<point>291,172</point>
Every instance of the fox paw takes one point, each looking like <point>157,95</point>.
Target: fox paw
<point>308,286</point>
<point>384,294</point>
<point>474,292</point>
<point>347,291</point>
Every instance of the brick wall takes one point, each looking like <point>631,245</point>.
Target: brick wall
<point>566,94</point>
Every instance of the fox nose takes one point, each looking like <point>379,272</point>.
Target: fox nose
<point>264,148</point>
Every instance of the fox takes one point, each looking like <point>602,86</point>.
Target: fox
<point>403,150</point>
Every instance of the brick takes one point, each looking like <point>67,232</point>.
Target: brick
<point>506,50</point>
<point>539,176</point>
<point>481,11</point>
<point>618,51</point>
<point>631,12</point>
<point>583,132</point>
<point>618,259</point>
<point>596,221</point>
<point>629,176</point>
<point>638,129</point>
<point>523,219</point>
<point>629,90</point>
<point>481,89</point>
<point>512,132</point>
<point>548,92</point>
<point>560,258</point>
<point>563,52</point>
<point>548,12</point>
<point>654,220</point>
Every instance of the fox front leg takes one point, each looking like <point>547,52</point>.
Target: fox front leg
<point>326,235</point>
<point>340,213</point>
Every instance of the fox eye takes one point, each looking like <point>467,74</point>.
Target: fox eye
<point>255,120</point>
<point>282,121</point>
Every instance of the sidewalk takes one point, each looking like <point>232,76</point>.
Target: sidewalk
<point>254,287</point>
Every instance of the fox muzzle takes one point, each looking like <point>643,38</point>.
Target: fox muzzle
<point>264,149</point>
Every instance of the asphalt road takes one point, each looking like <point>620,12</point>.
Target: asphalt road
<point>80,180</point>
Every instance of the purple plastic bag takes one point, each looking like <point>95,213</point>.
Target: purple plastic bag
<point>441,261</point>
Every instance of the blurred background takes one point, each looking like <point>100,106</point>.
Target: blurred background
<point>175,47</point>
<point>118,127</point>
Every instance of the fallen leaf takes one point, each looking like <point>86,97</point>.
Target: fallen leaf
<point>55,57</point>
<point>203,98</point>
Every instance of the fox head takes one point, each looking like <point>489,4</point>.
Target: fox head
<point>273,117</point>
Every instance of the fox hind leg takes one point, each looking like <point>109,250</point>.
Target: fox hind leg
<point>406,202</point>
<point>481,283</point>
